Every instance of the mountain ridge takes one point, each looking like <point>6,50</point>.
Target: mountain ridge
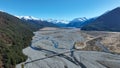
<point>109,21</point>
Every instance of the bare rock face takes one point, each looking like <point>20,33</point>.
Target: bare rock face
<point>55,48</point>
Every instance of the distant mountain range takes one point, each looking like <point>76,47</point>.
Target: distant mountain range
<point>60,23</point>
<point>109,21</point>
<point>37,22</point>
<point>48,22</point>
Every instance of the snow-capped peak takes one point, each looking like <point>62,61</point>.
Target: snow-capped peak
<point>48,20</point>
<point>64,21</point>
<point>28,17</point>
<point>82,19</point>
<point>79,19</point>
<point>57,21</point>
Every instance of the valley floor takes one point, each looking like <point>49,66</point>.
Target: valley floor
<point>83,49</point>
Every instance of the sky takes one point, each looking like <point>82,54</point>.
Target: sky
<point>58,9</point>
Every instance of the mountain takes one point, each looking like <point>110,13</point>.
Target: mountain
<point>60,23</point>
<point>36,22</point>
<point>49,22</point>
<point>88,21</point>
<point>77,22</point>
<point>28,17</point>
<point>15,35</point>
<point>57,21</point>
<point>109,21</point>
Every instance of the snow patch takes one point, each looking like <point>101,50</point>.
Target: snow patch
<point>28,17</point>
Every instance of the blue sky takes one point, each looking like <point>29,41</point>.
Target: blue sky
<point>58,9</point>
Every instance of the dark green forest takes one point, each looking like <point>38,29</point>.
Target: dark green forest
<point>15,35</point>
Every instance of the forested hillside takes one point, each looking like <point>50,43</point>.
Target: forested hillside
<point>15,35</point>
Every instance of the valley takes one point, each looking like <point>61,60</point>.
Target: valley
<point>72,48</point>
<point>60,42</point>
